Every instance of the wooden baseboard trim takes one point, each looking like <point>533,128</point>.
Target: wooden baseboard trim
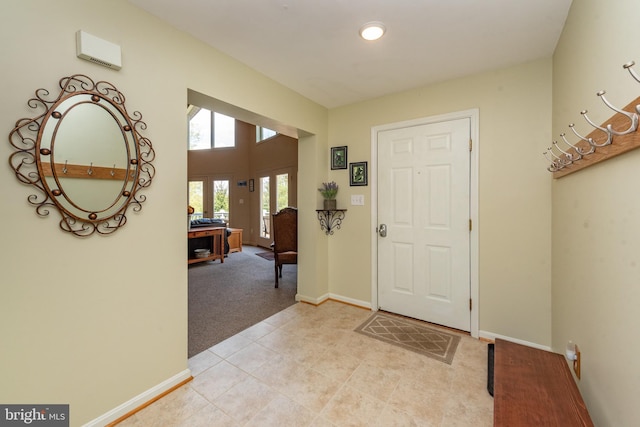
<point>144,405</point>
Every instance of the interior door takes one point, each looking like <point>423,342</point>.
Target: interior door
<point>424,217</point>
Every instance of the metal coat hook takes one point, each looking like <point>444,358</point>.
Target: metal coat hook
<point>591,141</point>
<point>570,157</point>
<point>90,170</point>
<point>627,67</point>
<point>632,116</point>
<point>554,167</point>
<point>560,162</point>
<point>113,171</point>
<point>578,150</point>
<point>587,140</point>
<point>64,169</point>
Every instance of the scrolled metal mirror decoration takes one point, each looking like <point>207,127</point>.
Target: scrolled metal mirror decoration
<point>85,154</point>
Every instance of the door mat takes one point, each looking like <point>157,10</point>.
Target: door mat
<point>266,255</point>
<point>411,335</point>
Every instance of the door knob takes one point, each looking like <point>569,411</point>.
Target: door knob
<point>382,230</point>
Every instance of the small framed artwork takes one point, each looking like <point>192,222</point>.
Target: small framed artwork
<point>339,157</point>
<point>358,174</point>
<point>251,185</point>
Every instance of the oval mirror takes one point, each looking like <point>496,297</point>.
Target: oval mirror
<point>89,158</point>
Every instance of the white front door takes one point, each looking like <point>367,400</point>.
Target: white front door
<point>424,204</point>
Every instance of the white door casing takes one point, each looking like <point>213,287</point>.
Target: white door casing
<point>425,194</point>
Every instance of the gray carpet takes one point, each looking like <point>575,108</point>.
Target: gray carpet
<point>225,299</point>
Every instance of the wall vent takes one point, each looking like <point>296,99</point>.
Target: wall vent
<point>98,51</point>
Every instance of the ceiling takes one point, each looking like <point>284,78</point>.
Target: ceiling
<point>313,46</point>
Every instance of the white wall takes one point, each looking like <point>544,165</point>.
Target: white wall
<point>596,214</point>
<point>514,201</point>
<point>95,322</point>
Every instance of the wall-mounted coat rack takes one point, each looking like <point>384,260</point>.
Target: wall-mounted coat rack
<point>615,136</point>
<point>67,170</point>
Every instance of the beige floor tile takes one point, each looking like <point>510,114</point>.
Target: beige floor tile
<point>258,330</point>
<point>251,357</point>
<point>282,412</point>
<point>209,416</point>
<point>280,371</point>
<point>312,389</point>
<point>203,361</point>
<point>217,380</point>
<point>375,381</point>
<point>393,417</point>
<point>306,366</point>
<point>171,410</point>
<point>231,345</point>
<point>245,399</point>
<point>350,407</point>
<point>337,364</point>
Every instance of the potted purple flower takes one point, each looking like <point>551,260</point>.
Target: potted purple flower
<point>329,190</point>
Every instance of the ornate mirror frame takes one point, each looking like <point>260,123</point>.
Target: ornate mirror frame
<point>85,154</point>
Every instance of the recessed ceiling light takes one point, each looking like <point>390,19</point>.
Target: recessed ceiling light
<point>372,31</point>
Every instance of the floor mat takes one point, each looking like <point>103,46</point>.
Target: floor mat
<point>411,335</point>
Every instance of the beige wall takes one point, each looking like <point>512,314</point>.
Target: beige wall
<point>596,226</point>
<point>514,201</point>
<point>95,322</point>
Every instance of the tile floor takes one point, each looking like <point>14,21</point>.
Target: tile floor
<point>305,366</point>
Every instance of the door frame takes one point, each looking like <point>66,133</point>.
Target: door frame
<point>474,118</point>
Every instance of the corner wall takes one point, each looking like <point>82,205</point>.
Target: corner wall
<point>596,214</point>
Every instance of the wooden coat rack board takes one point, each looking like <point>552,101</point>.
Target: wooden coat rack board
<point>64,170</point>
<point>620,143</point>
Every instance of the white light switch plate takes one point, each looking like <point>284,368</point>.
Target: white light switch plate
<point>357,199</point>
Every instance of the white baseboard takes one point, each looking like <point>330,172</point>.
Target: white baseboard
<point>325,297</point>
<point>363,304</point>
<point>310,300</point>
<point>139,400</point>
<point>491,336</point>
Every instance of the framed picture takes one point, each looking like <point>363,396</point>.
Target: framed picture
<point>339,157</point>
<point>251,185</point>
<point>358,174</point>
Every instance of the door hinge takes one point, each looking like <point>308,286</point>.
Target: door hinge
<point>470,224</point>
<point>470,304</point>
<point>470,145</point>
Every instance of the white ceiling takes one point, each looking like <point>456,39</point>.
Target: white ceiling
<point>313,46</point>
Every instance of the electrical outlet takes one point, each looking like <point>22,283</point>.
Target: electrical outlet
<point>357,199</point>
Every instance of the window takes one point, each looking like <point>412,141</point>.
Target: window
<point>221,199</point>
<point>282,189</point>
<point>265,226</point>
<point>264,133</point>
<point>196,198</point>
<point>210,129</point>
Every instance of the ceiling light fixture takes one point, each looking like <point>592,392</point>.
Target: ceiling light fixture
<point>372,31</point>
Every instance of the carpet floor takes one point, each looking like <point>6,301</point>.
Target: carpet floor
<point>226,298</point>
<point>411,335</point>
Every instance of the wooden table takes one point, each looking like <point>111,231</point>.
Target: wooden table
<point>212,239</point>
<point>534,388</point>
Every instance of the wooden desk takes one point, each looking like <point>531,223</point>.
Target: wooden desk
<point>212,239</point>
<point>534,388</point>
<point>235,240</point>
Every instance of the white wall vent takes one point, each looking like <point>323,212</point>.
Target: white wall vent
<point>97,50</point>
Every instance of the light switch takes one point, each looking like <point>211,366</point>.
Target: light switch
<point>241,201</point>
<point>357,199</point>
